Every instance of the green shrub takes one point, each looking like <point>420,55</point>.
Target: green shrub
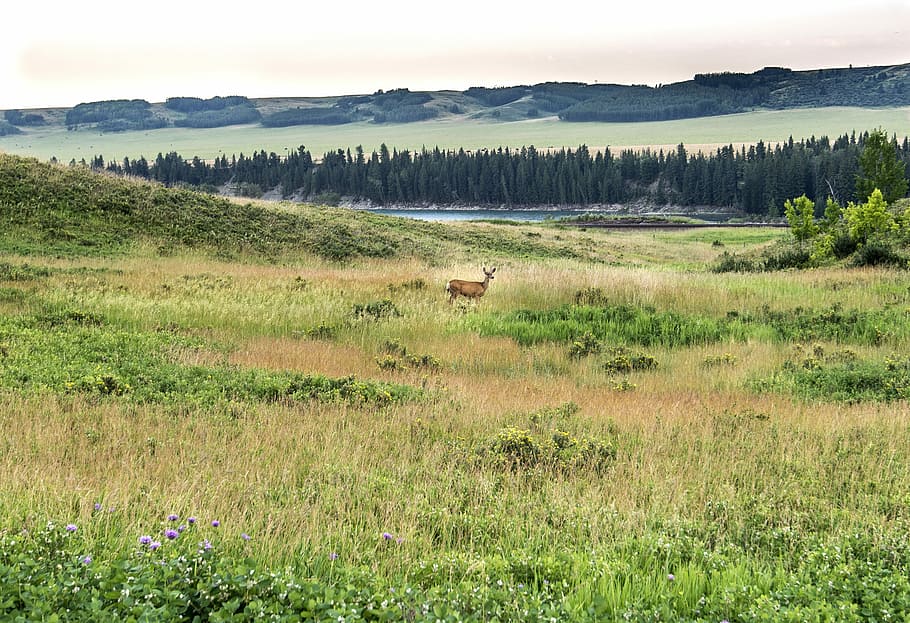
<point>558,450</point>
<point>592,296</point>
<point>322,331</point>
<point>376,310</point>
<point>719,360</point>
<point>797,256</point>
<point>733,263</point>
<point>879,253</point>
<point>397,357</point>
<point>586,345</point>
<point>623,361</point>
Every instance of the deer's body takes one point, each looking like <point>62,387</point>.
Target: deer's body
<point>469,289</point>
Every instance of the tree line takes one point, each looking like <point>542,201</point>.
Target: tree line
<point>757,179</point>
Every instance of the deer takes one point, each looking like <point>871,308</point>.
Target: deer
<point>469,289</point>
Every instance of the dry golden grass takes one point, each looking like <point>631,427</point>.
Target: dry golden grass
<point>322,477</point>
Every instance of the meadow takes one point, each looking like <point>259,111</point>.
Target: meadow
<point>197,424</point>
<point>707,133</point>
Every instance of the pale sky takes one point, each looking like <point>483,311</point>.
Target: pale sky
<point>55,53</point>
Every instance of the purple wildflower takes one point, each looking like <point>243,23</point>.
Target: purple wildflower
<point>206,545</point>
<point>333,556</point>
<point>400,540</point>
<point>171,534</point>
<point>191,520</point>
<point>172,517</point>
<point>86,560</point>
<point>71,527</point>
<point>387,536</point>
<point>145,540</point>
<point>671,577</point>
<point>215,523</point>
<point>154,545</point>
<point>97,506</point>
<point>181,528</point>
<point>244,536</point>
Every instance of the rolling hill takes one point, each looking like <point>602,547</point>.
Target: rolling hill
<point>773,88</point>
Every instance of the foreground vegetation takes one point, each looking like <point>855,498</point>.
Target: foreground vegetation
<point>212,414</point>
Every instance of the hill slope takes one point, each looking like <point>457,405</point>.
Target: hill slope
<point>705,95</point>
<point>71,211</point>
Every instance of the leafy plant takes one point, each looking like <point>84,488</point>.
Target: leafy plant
<point>376,310</point>
<point>622,361</point>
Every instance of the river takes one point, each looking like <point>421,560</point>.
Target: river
<point>529,215</point>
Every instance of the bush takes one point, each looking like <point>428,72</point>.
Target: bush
<point>520,449</point>
<point>624,361</point>
<point>878,253</point>
<point>397,357</point>
<point>377,310</point>
<point>732,263</point>
<point>586,345</point>
<point>592,296</point>
<point>798,256</point>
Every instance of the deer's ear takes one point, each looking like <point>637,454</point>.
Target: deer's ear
<point>493,270</point>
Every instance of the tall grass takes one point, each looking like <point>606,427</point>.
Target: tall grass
<point>752,495</point>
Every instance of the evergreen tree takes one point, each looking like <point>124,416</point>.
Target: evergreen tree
<point>881,169</point>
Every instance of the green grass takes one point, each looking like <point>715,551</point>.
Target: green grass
<point>65,351</point>
<point>72,211</point>
<point>394,457</point>
<point>768,126</point>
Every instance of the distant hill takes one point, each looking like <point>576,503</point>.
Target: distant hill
<point>705,95</point>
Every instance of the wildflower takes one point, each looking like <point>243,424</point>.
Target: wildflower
<point>145,540</point>
<point>206,545</point>
<point>70,527</point>
<point>154,545</point>
<point>387,536</point>
<point>400,540</point>
<point>97,506</point>
<point>215,523</point>
<point>86,560</point>
<point>333,556</point>
<point>171,534</point>
<point>244,536</point>
<point>172,517</point>
<point>181,528</point>
<point>191,520</point>
<point>671,577</point>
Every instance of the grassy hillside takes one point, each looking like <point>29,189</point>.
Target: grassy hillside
<point>73,211</point>
<point>200,426</point>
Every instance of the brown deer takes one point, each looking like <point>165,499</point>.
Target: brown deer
<point>469,289</point>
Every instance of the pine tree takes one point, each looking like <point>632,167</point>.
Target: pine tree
<point>881,169</point>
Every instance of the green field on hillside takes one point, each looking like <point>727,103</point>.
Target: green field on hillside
<point>455,132</point>
<point>221,411</point>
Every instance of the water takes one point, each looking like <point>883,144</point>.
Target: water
<point>530,215</point>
